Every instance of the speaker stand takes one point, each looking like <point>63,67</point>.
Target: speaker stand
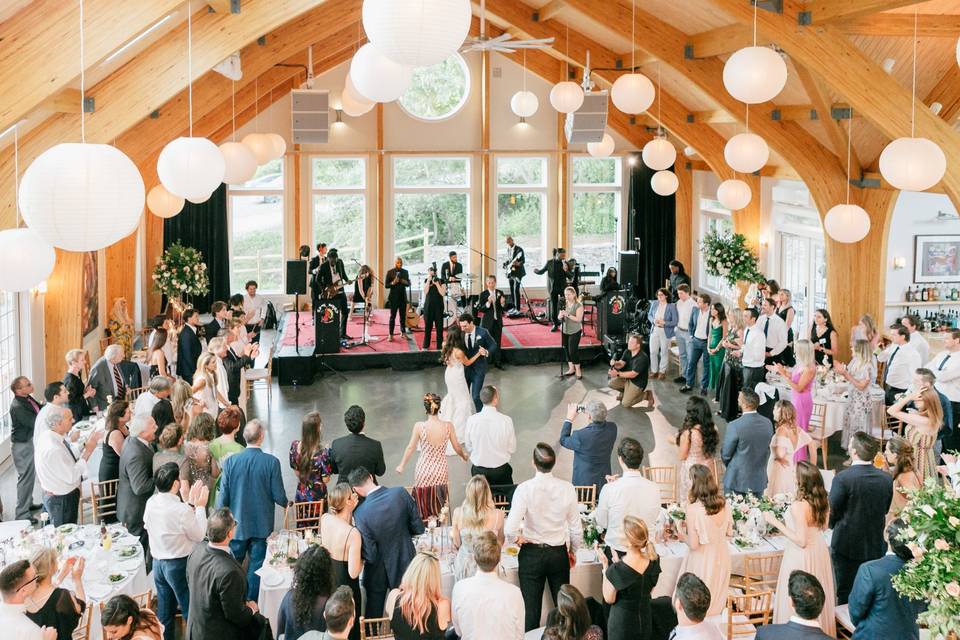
<point>296,320</point>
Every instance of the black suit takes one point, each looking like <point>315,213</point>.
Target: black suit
<point>324,280</point>
<point>212,329</point>
<point>476,372</point>
<point>234,365</point>
<point>23,416</point>
<point>556,282</point>
<point>189,349</point>
<point>397,281</point>
<point>790,631</point>
<point>217,587</point>
<point>516,274</point>
<point>432,313</point>
<point>357,450</point>
<point>859,500</point>
<point>491,318</point>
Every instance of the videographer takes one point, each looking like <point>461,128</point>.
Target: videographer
<point>629,374</point>
<point>434,291</point>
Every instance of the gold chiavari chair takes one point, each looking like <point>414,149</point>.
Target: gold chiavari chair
<point>144,600</point>
<point>818,428</point>
<point>253,377</point>
<point>666,479</point>
<point>82,632</point>
<point>845,626</point>
<point>748,611</point>
<point>301,516</point>
<point>375,628</point>
<point>133,394</point>
<point>760,573</point>
<point>103,496</point>
<point>586,495</point>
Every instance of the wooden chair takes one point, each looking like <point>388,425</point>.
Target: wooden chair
<point>144,601</point>
<point>760,573</point>
<point>304,515</point>
<point>252,377</point>
<point>82,632</point>
<point>845,626</point>
<point>666,479</point>
<point>103,496</point>
<point>586,495</point>
<point>133,394</point>
<point>375,628</point>
<point>818,428</point>
<point>748,611</point>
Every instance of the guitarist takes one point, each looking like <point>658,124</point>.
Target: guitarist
<point>331,278</point>
<point>515,272</point>
<point>397,281</point>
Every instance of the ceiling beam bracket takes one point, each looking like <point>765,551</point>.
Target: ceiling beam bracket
<point>804,18</point>
<point>866,183</point>
<point>536,16</point>
<point>633,119</point>
<point>155,114</point>
<point>234,6</point>
<point>619,63</point>
<point>89,104</point>
<point>841,113</point>
<point>775,115</point>
<point>691,118</point>
<point>688,51</point>
<point>773,6</point>
<point>814,115</point>
<point>262,41</point>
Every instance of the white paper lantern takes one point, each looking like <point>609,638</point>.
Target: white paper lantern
<point>746,152</point>
<point>378,78</point>
<point>566,97</point>
<point>190,166</point>
<point>240,162</point>
<point>664,183</point>
<point>164,204</point>
<point>26,259</point>
<point>279,145</point>
<point>633,93</point>
<point>913,164</point>
<point>82,197</point>
<point>958,51</point>
<point>659,154</point>
<point>261,146</point>
<point>198,199</point>
<point>418,33</point>
<point>524,103</point>
<point>352,103</point>
<point>601,149</point>
<point>734,194</point>
<point>847,223</point>
<point>755,74</point>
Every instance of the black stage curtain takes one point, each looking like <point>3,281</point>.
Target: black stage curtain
<point>652,220</point>
<point>204,227</point>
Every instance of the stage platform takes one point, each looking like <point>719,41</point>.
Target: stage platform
<point>524,342</point>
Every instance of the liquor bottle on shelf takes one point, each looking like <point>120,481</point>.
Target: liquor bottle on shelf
<point>909,295</point>
<point>924,294</point>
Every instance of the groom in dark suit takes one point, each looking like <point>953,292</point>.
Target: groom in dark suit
<point>477,340</point>
<point>387,520</point>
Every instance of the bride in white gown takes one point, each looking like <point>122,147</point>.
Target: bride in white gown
<point>457,405</point>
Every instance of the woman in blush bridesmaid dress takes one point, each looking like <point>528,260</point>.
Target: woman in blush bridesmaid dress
<point>788,438</point>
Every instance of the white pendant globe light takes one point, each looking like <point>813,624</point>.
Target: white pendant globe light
<point>261,145</point>
<point>279,145</point>
<point>664,183</point>
<point>164,204</point>
<point>734,194</point>
<point>746,152</point>
<point>524,103</point>
<point>601,149</point>
<point>755,74</point>
<point>566,97</point>
<point>417,33</point>
<point>26,259</point>
<point>659,154</point>
<point>352,103</point>
<point>190,166</point>
<point>377,77</point>
<point>240,164</point>
<point>847,223</point>
<point>632,93</point>
<point>912,164</point>
<point>198,199</point>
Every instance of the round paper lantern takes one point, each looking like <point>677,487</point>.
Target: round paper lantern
<point>82,197</point>
<point>958,51</point>
<point>633,93</point>
<point>418,33</point>
<point>190,166</point>
<point>164,204</point>
<point>240,162</point>
<point>664,183</point>
<point>566,97</point>
<point>746,152</point>
<point>279,145</point>
<point>659,154</point>
<point>198,199</point>
<point>352,103</point>
<point>755,74</point>
<point>734,194</point>
<point>377,77</point>
<point>524,103</point>
<point>912,164</point>
<point>601,149</point>
<point>847,223</point>
<point>261,146</point>
<point>26,259</point>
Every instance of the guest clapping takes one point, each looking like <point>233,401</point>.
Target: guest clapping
<point>475,516</point>
<point>50,605</point>
<point>417,609</point>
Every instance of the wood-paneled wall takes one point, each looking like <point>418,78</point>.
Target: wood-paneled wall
<point>61,311</point>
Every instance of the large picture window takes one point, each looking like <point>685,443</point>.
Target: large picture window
<point>9,356</point>
<point>431,207</point>
<point>714,219</point>
<point>597,184</point>
<point>340,206</point>
<point>521,207</point>
<point>256,230</point>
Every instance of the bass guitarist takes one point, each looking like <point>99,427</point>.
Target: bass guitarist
<point>332,278</point>
<point>515,272</point>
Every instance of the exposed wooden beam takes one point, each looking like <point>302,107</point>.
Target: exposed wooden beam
<point>550,10</point>
<point>835,133</point>
<point>637,58</point>
<point>721,40</point>
<point>820,11</point>
<point>947,93</point>
<point>66,101</point>
<point>39,46</point>
<point>224,6</point>
<point>900,25</point>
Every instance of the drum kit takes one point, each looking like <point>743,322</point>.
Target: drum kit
<point>458,298</point>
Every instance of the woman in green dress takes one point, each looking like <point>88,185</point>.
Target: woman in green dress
<point>718,332</point>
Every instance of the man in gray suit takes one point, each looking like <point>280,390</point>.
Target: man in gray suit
<point>110,377</point>
<point>136,478</point>
<point>746,447</point>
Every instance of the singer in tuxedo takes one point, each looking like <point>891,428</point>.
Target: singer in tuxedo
<point>397,281</point>
<point>434,290</point>
<point>491,315</point>
<point>556,270</point>
<point>515,270</point>
<point>332,278</point>
<point>476,338</point>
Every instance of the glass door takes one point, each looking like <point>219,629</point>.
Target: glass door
<point>803,271</point>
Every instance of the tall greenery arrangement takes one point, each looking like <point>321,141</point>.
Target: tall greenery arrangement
<point>181,272</point>
<point>727,256</point>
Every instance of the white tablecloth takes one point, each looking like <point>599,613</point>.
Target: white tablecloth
<point>836,404</point>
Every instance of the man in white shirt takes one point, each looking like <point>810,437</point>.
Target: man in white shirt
<point>18,581</point>
<point>691,601</point>
<point>176,519</point>
<point>491,440</point>
<point>486,606</point>
<point>630,495</point>
<point>685,305</point>
<point>753,351</point>
<point>774,330</point>
<point>946,367</point>
<point>158,389</point>
<point>545,519</point>
<point>917,341</point>
<point>56,396</point>
<point>699,333</point>
<point>901,361</point>
<point>254,310</point>
<point>59,470</point>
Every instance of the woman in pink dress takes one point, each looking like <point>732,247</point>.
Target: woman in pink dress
<point>709,523</point>
<point>804,546</point>
<point>788,438</point>
<point>801,380</point>
<point>697,442</point>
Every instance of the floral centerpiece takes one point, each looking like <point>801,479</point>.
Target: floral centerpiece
<point>747,512</point>
<point>933,535</point>
<point>728,256</point>
<point>592,532</point>
<point>181,272</point>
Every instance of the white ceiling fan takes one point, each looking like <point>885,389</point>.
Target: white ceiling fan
<point>504,43</point>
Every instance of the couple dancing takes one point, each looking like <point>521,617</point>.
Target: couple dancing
<point>465,352</point>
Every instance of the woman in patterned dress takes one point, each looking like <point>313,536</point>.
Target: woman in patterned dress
<point>311,460</point>
<point>860,373</point>
<point>922,427</point>
<point>698,440</point>
<point>120,326</point>
<point>430,479</point>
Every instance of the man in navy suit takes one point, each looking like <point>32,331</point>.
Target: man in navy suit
<point>189,346</point>
<point>859,500</point>
<point>477,340</point>
<point>387,519</point>
<point>249,486</point>
<point>746,448</point>
<point>806,594</point>
<point>592,446</point>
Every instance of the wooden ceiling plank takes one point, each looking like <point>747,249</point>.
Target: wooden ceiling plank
<point>900,25</point>
<point>550,10</point>
<point>821,11</point>
<point>947,93</point>
<point>66,101</point>
<point>835,133</point>
<point>721,40</point>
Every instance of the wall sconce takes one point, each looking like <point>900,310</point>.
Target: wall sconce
<point>40,289</point>
<point>764,241</point>
<point>339,119</point>
<point>899,262</point>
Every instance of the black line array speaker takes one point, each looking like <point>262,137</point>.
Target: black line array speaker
<point>296,277</point>
<point>629,268</point>
<point>326,321</point>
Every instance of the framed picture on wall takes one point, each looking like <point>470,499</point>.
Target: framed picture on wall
<point>937,259</point>
<point>90,295</point>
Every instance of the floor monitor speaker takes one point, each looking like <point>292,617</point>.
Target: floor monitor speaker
<point>326,320</point>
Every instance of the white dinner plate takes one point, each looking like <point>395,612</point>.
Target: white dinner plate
<point>97,590</point>
<point>271,578</point>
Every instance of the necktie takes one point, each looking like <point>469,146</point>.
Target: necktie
<point>69,450</point>
<point>36,407</point>
<point>886,369</point>
<point>943,363</point>
<point>118,381</point>
<point>766,327</point>
<point>471,340</point>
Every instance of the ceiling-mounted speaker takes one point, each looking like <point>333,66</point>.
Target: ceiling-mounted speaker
<point>311,116</point>
<point>589,122</point>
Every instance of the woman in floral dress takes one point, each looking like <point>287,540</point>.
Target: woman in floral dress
<point>860,373</point>
<point>922,427</point>
<point>120,326</point>
<point>311,461</point>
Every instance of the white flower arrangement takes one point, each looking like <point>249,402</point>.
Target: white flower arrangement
<point>180,272</point>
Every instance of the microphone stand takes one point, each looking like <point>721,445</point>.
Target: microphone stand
<point>364,341</point>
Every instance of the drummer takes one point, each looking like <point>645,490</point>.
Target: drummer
<point>450,272</point>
